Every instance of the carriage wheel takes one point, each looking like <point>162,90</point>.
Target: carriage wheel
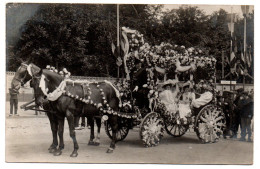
<point>121,133</point>
<point>151,130</point>
<point>175,128</point>
<point>210,124</point>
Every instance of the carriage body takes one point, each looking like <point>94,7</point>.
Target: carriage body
<point>176,62</point>
<point>208,121</point>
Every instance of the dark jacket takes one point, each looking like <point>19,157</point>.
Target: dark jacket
<point>13,93</point>
<point>246,107</point>
<point>139,78</point>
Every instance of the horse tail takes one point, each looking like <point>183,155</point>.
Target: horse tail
<point>116,92</point>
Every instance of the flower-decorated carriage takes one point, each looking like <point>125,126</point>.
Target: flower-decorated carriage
<point>192,75</point>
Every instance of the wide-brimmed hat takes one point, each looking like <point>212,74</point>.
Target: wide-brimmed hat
<point>171,82</point>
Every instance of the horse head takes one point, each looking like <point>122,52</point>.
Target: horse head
<point>21,77</point>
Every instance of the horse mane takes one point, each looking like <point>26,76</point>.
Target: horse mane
<point>53,79</point>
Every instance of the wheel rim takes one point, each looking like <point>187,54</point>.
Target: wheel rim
<point>175,128</point>
<point>121,133</point>
<point>151,130</point>
<point>210,124</point>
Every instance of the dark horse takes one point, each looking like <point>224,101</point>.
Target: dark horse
<point>90,98</point>
<point>58,112</point>
<point>21,77</point>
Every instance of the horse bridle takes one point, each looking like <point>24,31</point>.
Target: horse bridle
<point>22,79</point>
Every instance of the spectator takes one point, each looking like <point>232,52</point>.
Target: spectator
<point>14,91</point>
<point>236,119</point>
<point>246,106</point>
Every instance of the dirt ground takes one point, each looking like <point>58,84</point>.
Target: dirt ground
<point>28,138</point>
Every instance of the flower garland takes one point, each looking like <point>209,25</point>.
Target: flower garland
<point>102,106</point>
<point>165,54</point>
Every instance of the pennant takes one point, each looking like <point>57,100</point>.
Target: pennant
<point>243,58</point>
<point>113,47</point>
<point>248,58</point>
<point>231,27</point>
<point>245,9</point>
<point>232,56</point>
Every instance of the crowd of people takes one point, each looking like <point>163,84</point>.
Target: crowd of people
<point>238,107</point>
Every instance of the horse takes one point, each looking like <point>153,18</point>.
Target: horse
<point>21,77</point>
<point>89,98</point>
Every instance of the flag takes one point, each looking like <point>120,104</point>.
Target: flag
<point>249,58</point>
<point>231,27</point>
<point>245,9</point>
<point>232,59</point>
<point>242,57</point>
<point>232,17</point>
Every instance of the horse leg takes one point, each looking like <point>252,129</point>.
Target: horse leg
<point>114,126</point>
<point>60,133</point>
<point>97,138</point>
<point>54,129</point>
<point>83,121</point>
<point>70,118</point>
<point>92,136</point>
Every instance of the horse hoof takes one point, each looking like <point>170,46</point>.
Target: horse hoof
<point>74,154</point>
<point>96,144</point>
<point>110,150</point>
<point>57,153</point>
<point>91,143</point>
<point>52,150</point>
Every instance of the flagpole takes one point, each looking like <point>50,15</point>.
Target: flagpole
<point>231,33</point>
<point>232,96</point>
<point>244,48</point>
<point>117,44</point>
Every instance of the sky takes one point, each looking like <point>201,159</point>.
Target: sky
<point>209,9</point>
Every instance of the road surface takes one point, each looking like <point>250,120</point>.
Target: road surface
<point>28,138</point>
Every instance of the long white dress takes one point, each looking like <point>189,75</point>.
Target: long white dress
<point>184,104</point>
<point>167,97</point>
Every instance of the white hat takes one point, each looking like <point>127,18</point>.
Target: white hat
<point>171,82</point>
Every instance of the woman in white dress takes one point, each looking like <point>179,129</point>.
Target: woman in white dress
<point>184,105</point>
<point>168,96</point>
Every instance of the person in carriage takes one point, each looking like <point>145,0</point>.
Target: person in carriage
<point>185,101</point>
<point>169,95</point>
<point>138,79</point>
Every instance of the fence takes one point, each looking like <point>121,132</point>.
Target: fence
<point>26,93</point>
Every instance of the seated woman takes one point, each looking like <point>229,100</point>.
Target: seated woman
<point>168,95</point>
<point>185,102</point>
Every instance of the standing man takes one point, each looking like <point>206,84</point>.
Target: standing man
<point>236,122</point>
<point>138,79</point>
<point>246,113</point>
<point>14,91</point>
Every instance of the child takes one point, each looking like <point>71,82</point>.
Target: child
<point>184,104</point>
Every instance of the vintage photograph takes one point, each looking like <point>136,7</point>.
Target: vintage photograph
<point>129,83</point>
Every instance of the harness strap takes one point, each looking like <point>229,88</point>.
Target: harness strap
<point>85,87</point>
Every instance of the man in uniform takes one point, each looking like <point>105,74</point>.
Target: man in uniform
<point>236,121</point>
<point>139,78</point>
<point>246,106</point>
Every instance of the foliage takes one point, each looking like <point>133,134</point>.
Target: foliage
<point>79,37</point>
